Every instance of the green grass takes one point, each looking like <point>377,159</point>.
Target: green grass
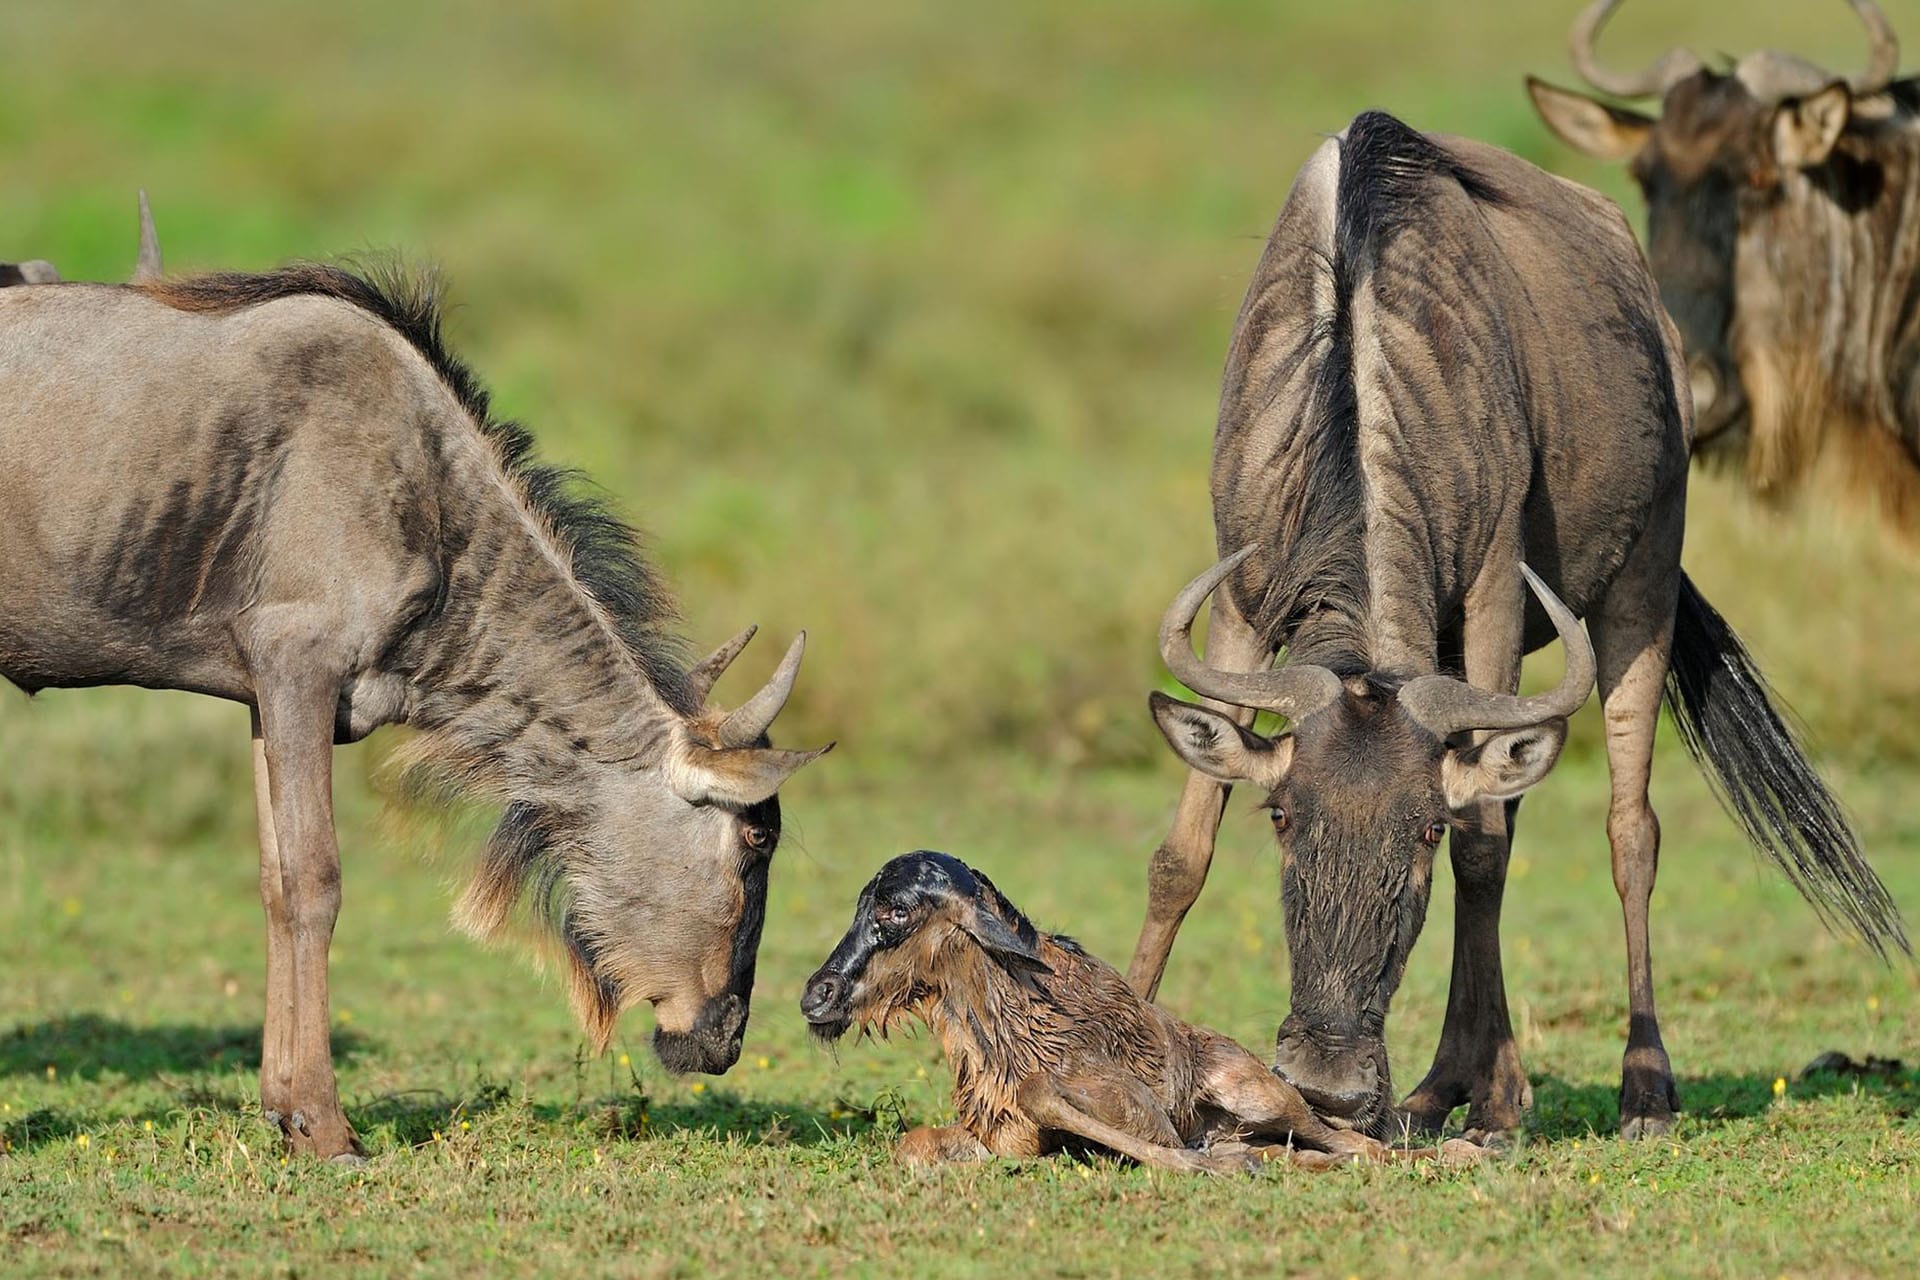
<point>901,323</point>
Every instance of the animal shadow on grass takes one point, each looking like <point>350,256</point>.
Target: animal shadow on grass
<point>727,1117</point>
<point>1563,1110</point>
<point>88,1046</point>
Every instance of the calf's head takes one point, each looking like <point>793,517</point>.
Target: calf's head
<point>921,927</point>
<point>1374,772</point>
<point>1748,177</point>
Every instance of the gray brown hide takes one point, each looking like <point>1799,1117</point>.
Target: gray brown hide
<point>1451,366</point>
<point>1783,223</point>
<point>283,490</point>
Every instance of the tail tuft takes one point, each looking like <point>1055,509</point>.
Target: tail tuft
<point>1732,728</point>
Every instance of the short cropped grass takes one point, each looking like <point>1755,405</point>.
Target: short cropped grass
<point>899,322</point>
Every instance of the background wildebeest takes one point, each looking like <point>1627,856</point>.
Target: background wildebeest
<point>1049,1046</point>
<point>283,490</point>
<point>146,268</point>
<point>1450,366</point>
<point>1783,227</point>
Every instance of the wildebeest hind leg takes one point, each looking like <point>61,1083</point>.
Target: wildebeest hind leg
<point>1048,1107</point>
<point>1179,866</point>
<point>276,1037</point>
<point>1261,1105</point>
<point>1477,1061</point>
<point>296,721</point>
<point>1632,637</point>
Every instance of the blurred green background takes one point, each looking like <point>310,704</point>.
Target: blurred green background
<point>902,323</point>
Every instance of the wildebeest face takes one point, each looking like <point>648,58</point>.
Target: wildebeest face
<point>1710,168</point>
<point>1360,795</point>
<point>898,952</point>
<point>670,915</point>
<point>657,875</point>
<point>1734,170</point>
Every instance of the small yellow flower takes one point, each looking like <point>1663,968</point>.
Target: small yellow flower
<point>147,1125</point>
<point>83,1141</point>
<point>1779,1086</point>
<point>626,1060</point>
<point>1593,1179</point>
<point>763,1062</point>
<point>464,1126</point>
<point>346,1016</point>
<point>1873,1004</point>
<point>52,1071</point>
<point>71,906</point>
<point>1085,1172</point>
<point>596,1155</point>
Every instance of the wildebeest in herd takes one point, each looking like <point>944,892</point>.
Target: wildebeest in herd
<point>1456,420</point>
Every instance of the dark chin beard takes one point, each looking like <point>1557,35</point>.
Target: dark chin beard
<point>828,1033</point>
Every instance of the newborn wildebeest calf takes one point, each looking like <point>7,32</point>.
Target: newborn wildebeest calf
<point>1049,1046</point>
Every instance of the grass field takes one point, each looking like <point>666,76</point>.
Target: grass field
<point>901,323</point>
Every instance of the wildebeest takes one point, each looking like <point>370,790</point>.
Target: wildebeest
<point>1049,1046</point>
<point>1451,366</point>
<point>283,489</point>
<point>146,268</point>
<point>1783,224</point>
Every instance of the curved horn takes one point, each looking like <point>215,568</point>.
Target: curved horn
<point>1445,706</point>
<point>147,269</point>
<point>704,676</point>
<point>1884,58</point>
<point>1656,78</point>
<point>751,719</point>
<point>1294,691</point>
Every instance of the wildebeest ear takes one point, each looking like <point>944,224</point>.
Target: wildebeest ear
<point>1503,766</point>
<point>1805,129</point>
<point>35,272</point>
<point>1219,748</point>
<point>733,776</point>
<point>998,938</point>
<point>1586,124</point>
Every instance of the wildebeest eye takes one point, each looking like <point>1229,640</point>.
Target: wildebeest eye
<point>892,916</point>
<point>1432,835</point>
<point>1281,819</point>
<point>757,836</point>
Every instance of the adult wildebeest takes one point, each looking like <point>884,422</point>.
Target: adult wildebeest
<point>283,490</point>
<point>1450,366</point>
<point>145,270</point>
<point>1783,224</point>
<point>1049,1047</point>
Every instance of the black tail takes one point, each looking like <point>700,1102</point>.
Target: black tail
<point>1731,727</point>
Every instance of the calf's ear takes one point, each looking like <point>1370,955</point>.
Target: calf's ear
<point>1586,124</point>
<point>985,926</point>
<point>1805,129</point>
<point>1503,766</point>
<point>1219,748</point>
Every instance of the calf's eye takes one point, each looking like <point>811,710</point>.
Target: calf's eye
<point>757,836</point>
<point>1281,819</point>
<point>1432,835</point>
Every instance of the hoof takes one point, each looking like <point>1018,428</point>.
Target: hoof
<point>1458,1153</point>
<point>1641,1128</point>
<point>1493,1140</point>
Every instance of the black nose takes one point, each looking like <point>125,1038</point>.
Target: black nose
<point>1334,1082</point>
<point>821,1003</point>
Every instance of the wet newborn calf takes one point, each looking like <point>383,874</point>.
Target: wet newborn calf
<point>1050,1048</point>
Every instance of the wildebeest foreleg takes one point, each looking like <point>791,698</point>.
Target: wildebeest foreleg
<point>1632,635</point>
<point>1179,866</point>
<point>1477,1061</point>
<point>296,722</point>
<point>276,1038</point>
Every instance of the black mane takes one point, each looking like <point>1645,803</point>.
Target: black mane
<point>604,551</point>
<point>1317,604</point>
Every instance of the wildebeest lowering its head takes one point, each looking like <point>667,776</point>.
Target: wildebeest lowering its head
<point>1781,226</point>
